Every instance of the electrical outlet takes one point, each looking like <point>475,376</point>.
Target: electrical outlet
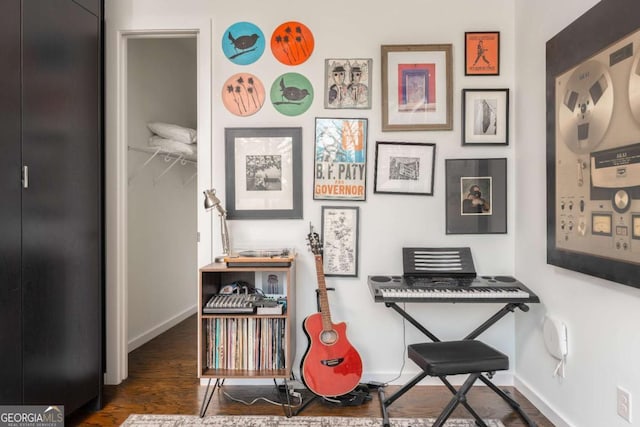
<point>624,404</point>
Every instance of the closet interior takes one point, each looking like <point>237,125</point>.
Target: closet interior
<point>161,137</point>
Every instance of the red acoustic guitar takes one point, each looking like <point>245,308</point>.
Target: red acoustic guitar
<point>331,366</point>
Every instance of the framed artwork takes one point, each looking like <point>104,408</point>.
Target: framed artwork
<point>482,53</point>
<point>292,43</point>
<point>476,200</point>
<point>340,168</point>
<point>291,94</point>
<point>272,283</point>
<point>243,43</point>
<point>340,240</point>
<point>264,173</point>
<point>417,87</point>
<point>485,117</point>
<point>404,168</point>
<point>593,154</point>
<point>243,94</point>
<point>347,83</point>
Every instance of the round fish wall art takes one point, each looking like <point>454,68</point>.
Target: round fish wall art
<point>243,94</point>
<point>291,94</point>
<point>243,43</point>
<point>292,43</point>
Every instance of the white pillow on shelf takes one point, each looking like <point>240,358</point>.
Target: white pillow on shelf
<point>173,132</point>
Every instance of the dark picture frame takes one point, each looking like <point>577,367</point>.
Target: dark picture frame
<point>482,53</point>
<point>404,168</point>
<point>340,166</point>
<point>593,225</point>
<point>417,87</point>
<point>340,235</point>
<point>485,116</point>
<point>264,173</point>
<point>476,201</point>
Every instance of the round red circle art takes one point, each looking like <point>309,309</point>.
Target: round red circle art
<point>243,94</point>
<point>292,43</point>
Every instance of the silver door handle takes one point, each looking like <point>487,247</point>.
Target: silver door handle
<point>25,176</point>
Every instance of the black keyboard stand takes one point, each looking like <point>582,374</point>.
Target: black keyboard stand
<point>385,402</point>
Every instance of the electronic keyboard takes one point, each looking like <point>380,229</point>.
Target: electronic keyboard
<point>486,289</point>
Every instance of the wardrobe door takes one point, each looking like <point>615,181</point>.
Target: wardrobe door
<point>10,211</point>
<point>62,267</point>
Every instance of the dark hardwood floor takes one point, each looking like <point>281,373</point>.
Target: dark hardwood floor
<point>163,380</point>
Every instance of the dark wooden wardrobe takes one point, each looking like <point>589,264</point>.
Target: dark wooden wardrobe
<point>51,203</point>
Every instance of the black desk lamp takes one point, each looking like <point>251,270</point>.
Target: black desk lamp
<point>212,201</point>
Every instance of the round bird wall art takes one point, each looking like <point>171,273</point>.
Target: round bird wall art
<point>243,94</point>
<point>243,43</point>
<point>292,43</point>
<point>291,94</point>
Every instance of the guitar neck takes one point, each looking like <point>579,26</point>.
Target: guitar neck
<point>327,325</point>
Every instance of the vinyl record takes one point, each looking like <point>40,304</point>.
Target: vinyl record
<point>243,94</point>
<point>585,107</point>
<point>634,88</point>
<point>243,43</point>
<point>291,94</point>
<point>292,43</point>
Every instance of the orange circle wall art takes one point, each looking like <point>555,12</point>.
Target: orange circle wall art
<point>292,43</point>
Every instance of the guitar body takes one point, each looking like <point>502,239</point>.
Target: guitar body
<point>331,366</point>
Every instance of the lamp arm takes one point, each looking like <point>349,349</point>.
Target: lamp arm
<point>224,232</point>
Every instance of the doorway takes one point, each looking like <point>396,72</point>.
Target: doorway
<point>153,244</point>
<point>161,166</point>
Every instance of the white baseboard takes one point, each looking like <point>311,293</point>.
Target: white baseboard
<point>547,410</point>
<point>150,334</point>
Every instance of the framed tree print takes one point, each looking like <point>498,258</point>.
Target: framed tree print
<point>264,173</point>
<point>340,169</point>
<point>476,200</point>
<point>417,87</point>
<point>404,168</point>
<point>340,240</point>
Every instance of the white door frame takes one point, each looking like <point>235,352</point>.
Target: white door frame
<point>116,342</point>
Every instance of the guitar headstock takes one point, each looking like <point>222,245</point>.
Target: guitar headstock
<point>313,240</point>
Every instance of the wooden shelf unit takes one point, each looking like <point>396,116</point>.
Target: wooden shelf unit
<point>211,279</point>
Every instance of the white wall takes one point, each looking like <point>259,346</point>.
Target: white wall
<point>602,317</point>
<point>162,263</point>
<point>388,222</point>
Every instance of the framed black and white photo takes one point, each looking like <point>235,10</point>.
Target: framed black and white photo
<point>476,201</point>
<point>340,240</point>
<point>485,116</point>
<point>404,168</point>
<point>264,173</point>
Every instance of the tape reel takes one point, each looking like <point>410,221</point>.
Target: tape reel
<point>634,88</point>
<point>587,106</point>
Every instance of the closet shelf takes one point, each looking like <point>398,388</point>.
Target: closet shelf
<point>171,157</point>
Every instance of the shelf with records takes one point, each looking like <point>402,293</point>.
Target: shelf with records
<point>247,345</point>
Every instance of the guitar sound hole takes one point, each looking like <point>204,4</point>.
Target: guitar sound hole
<point>328,337</point>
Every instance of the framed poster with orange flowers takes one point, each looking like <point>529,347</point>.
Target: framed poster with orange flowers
<point>482,53</point>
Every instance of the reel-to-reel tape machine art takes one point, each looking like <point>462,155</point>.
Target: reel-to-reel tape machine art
<point>593,167</point>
